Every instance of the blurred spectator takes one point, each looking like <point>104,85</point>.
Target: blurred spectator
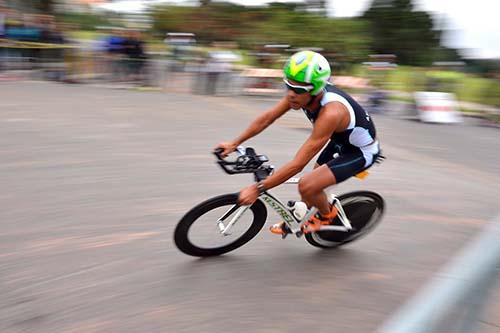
<point>25,30</point>
<point>379,65</point>
<point>134,51</point>
<point>376,101</point>
<point>214,68</point>
<point>115,42</point>
<point>54,57</point>
<point>115,46</point>
<point>3,19</point>
<point>125,55</point>
<point>218,71</point>
<point>182,46</point>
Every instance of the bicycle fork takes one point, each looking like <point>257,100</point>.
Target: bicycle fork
<point>224,229</point>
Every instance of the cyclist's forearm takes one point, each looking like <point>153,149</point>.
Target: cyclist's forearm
<point>257,126</point>
<point>282,175</point>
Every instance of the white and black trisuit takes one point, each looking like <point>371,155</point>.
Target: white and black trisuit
<point>353,150</point>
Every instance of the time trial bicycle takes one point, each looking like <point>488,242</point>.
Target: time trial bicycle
<point>220,225</point>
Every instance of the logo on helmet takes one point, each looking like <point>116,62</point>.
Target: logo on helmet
<point>300,59</point>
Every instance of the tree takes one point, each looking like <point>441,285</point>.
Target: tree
<point>43,6</point>
<point>46,6</point>
<point>279,23</point>
<point>398,29</point>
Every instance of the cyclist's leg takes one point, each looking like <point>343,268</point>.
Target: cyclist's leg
<point>327,178</point>
<point>311,188</point>
<point>313,195</point>
<point>348,165</point>
<point>312,185</point>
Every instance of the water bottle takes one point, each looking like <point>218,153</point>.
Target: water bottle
<point>298,208</point>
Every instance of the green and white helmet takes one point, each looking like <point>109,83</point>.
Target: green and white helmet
<point>308,67</point>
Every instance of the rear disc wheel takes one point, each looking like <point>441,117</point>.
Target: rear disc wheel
<point>364,209</point>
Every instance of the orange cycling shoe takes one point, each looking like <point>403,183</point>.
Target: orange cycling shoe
<point>315,222</point>
<point>280,229</point>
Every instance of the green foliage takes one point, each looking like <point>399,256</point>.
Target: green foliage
<point>84,21</point>
<point>397,29</point>
<point>484,66</point>
<point>410,79</point>
<point>280,23</point>
<point>479,90</point>
<point>389,26</point>
<point>447,54</point>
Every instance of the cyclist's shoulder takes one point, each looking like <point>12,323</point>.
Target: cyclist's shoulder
<point>333,111</point>
<point>335,94</point>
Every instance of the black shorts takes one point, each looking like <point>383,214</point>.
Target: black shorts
<point>345,161</point>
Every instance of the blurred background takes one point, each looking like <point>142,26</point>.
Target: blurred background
<point>387,49</point>
<point>109,111</point>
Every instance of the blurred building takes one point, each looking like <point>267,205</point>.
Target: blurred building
<point>316,6</point>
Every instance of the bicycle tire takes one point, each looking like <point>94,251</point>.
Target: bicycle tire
<point>363,208</point>
<point>181,237</point>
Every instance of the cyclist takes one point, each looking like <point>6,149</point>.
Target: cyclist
<point>340,125</point>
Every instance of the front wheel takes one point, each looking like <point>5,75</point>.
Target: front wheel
<point>198,234</point>
<point>363,208</point>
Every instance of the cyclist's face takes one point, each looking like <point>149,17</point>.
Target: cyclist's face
<point>296,97</point>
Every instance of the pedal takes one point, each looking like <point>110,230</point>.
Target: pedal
<point>286,231</point>
<point>280,229</point>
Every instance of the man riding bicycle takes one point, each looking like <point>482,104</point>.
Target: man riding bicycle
<point>339,122</point>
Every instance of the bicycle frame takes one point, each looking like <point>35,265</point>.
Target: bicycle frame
<point>286,213</point>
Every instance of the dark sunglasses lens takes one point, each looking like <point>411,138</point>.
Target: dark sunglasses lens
<point>296,90</point>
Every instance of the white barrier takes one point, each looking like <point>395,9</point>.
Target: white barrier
<point>437,107</point>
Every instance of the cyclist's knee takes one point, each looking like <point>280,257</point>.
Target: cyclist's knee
<point>307,187</point>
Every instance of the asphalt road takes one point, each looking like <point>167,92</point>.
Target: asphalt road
<point>94,181</point>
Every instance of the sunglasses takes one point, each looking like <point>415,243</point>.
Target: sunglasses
<point>296,88</point>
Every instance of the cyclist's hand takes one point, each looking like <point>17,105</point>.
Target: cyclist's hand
<point>228,147</point>
<point>248,195</point>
